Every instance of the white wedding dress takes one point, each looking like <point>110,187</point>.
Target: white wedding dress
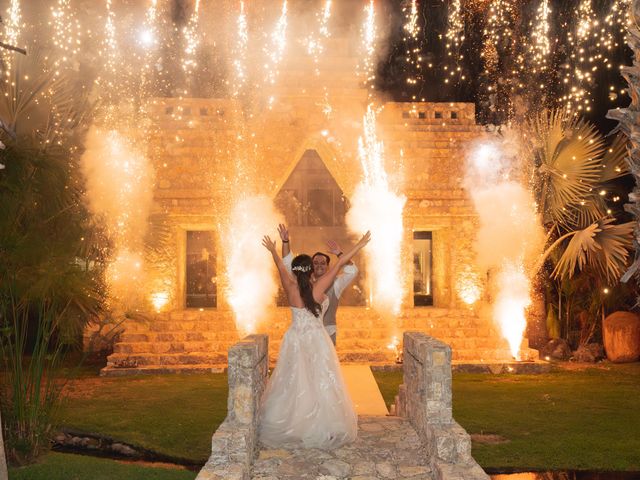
<point>306,403</point>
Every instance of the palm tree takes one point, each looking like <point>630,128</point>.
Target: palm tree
<point>46,295</point>
<point>570,168</point>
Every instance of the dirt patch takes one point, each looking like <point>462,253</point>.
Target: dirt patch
<point>488,438</point>
<point>580,366</point>
<point>84,387</point>
<point>167,466</point>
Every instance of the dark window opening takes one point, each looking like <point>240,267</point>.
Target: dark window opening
<point>201,282</point>
<point>422,269</point>
<point>454,115</point>
<point>438,114</point>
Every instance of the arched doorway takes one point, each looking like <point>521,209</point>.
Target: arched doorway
<point>314,207</point>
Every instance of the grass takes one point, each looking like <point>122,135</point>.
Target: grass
<point>586,419</point>
<point>60,466</point>
<point>174,415</point>
<point>583,419</point>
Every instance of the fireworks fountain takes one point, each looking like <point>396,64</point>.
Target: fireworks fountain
<point>377,208</point>
<point>510,236</point>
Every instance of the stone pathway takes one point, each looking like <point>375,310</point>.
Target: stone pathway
<point>386,448</point>
<point>363,390</point>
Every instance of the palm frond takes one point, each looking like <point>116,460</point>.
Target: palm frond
<point>590,210</point>
<point>569,155</point>
<point>602,245</point>
<point>575,255</point>
<point>614,163</point>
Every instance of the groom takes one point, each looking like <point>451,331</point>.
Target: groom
<point>320,267</point>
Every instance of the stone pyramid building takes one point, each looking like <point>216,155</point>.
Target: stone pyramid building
<point>304,156</point>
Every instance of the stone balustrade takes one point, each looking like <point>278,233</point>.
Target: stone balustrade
<point>234,444</point>
<point>425,399</point>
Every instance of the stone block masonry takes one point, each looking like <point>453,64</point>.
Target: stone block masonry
<point>425,400</point>
<point>234,444</point>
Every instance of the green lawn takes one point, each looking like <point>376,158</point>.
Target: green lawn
<point>174,415</point>
<point>582,419</point>
<point>60,466</point>
<point>586,419</point>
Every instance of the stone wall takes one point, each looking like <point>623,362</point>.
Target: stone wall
<point>234,444</point>
<point>425,399</point>
<point>195,153</point>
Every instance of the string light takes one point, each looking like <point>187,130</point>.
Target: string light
<point>413,53</point>
<point>540,46</point>
<point>454,39</point>
<point>278,43</point>
<point>366,67</point>
<point>240,53</point>
<point>192,41</point>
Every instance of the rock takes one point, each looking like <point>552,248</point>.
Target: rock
<point>386,470</point>
<point>336,468</point>
<point>364,468</point>
<point>123,449</point>
<point>412,471</point>
<point>621,334</point>
<point>590,353</point>
<point>557,348</point>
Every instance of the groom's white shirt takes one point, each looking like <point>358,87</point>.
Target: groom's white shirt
<point>342,281</point>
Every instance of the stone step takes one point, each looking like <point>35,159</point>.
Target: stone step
<point>481,354</point>
<point>180,336</point>
<point>132,360</point>
<point>111,371</point>
<point>172,347</point>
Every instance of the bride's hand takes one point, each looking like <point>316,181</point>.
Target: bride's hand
<point>269,244</point>
<point>365,239</point>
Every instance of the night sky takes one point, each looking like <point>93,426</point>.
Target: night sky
<point>394,70</point>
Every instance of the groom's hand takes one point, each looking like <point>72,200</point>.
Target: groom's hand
<point>284,233</point>
<point>333,247</point>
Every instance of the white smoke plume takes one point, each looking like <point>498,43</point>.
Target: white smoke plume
<point>119,190</point>
<point>510,234</point>
<point>250,270</point>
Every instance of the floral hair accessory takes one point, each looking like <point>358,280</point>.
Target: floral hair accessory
<point>301,268</point>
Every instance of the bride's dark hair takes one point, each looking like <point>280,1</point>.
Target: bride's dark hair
<point>302,267</point>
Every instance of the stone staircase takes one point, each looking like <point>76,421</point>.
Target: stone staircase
<point>197,341</point>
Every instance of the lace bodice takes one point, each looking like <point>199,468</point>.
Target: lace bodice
<point>302,319</point>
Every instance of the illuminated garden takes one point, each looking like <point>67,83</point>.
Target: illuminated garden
<point>488,146</point>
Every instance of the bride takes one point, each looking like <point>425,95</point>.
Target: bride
<point>305,403</point>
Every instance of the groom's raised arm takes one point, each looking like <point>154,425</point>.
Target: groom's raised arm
<point>349,271</point>
<point>287,257</point>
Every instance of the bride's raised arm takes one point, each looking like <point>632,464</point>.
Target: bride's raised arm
<point>285,277</point>
<point>324,282</point>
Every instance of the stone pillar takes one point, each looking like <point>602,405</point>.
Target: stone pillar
<point>425,399</point>
<point>234,444</point>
